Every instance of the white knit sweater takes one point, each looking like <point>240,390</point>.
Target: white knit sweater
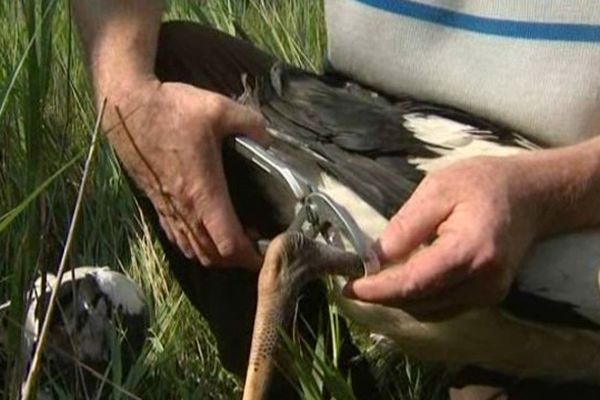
<point>531,64</point>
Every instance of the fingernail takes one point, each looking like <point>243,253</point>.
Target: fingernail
<point>378,249</point>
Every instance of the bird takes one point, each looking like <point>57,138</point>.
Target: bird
<point>101,312</point>
<point>368,151</point>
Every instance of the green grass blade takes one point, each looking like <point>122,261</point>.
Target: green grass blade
<point>10,216</point>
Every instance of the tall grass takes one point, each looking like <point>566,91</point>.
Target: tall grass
<point>46,115</point>
<point>46,120</point>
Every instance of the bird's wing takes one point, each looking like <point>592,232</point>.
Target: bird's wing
<point>377,145</point>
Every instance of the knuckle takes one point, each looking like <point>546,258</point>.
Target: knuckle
<point>196,196</point>
<point>176,187</point>
<point>187,203</point>
<point>433,185</point>
<point>217,106</point>
<point>228,248</point>
<point>398,225</point>
<point>489,256</point>
<point>256,119</point>
<point>456,250</point>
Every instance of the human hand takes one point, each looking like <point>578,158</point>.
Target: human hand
<point>168,136</point>
<point>482,216</point>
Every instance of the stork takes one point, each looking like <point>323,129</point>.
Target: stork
<point>366,153</point>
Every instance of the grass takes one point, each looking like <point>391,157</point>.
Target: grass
<point>46,122</point>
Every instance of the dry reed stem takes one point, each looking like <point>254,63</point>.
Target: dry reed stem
<point>31,379</point>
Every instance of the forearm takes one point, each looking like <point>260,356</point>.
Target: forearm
<point>119,39</point>
<point>567,181</point>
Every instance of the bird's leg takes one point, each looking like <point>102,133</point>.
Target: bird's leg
<point>291,261</point>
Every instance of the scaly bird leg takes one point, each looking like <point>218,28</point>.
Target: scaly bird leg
<point>291,261</point>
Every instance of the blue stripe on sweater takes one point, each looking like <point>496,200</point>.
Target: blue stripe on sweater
<point>491,26</point>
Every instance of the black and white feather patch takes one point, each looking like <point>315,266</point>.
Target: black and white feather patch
<point>95,307</point>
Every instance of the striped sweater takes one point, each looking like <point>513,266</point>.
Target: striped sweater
<point>533,65</point>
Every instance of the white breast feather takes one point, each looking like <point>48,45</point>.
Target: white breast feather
<point>120,290</point>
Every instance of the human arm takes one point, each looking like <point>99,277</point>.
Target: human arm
<point>168,135</point>
<point>483,215</point>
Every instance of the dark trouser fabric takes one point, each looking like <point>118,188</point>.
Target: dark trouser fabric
<point>212,60</point>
